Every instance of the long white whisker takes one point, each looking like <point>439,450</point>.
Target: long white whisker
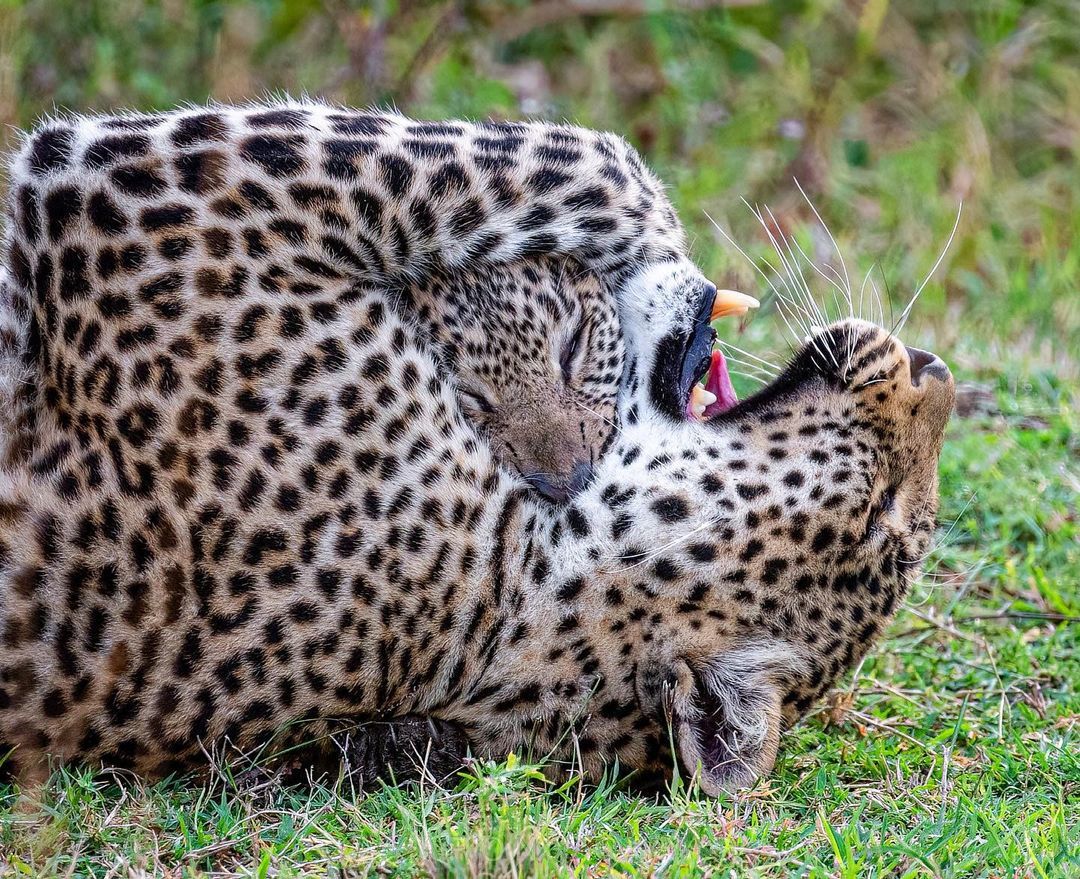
<point>888,295</point>
<point>838,284</point>
<point>791,264</point>
<point>801,283</point>
<point>823,318</point>
<point>761,360</point>
<point>813,313</point>
<point>955,522</point>
<point>780,299</point>
<point>879,318</point>
<point>843,265</point>
<point>754,378</point>
<point>797,276</point>
<point>788,280</point>
<point>592,411</point>
<point>835,283</point>
<point>796,309</point>
<point>761,220</point>
<point>782,309</point>
<point>757,370</point>
<point>862,292</point>
<point>846,288</point>
<point>907,311</point>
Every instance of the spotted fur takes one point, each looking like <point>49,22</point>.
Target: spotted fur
<point>117,221</point>
<point>221,522</point>
<point>164,591</point>
<point>537,357</point>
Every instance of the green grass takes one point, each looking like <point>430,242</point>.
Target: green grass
<point>953,751</point>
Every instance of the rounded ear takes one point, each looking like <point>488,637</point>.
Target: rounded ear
<point>724,713</point>
<point>729,734</point>
<point>727,724</point>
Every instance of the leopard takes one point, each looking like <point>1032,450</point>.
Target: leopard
<point>339,542</point>
<point>546,427</point>
<point>128,213</point>
<point>291,198</point>
<point>166,592</point>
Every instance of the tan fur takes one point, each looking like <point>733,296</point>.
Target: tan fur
<point>467,601</point>
<point>537,356</point>
<point>249,508</point>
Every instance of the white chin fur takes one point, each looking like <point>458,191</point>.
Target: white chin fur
<point>657,299</point>
<point>654,302</point>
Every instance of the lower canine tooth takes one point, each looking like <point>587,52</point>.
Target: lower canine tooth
<point>731,302</point>
<point>700,400</point>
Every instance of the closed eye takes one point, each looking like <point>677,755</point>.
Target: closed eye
<point>476,401</point>
<point>570,351</point>
<point>882,508</point>
<point>886,502</point>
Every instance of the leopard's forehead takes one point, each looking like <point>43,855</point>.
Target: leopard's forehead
<point>512,322</point>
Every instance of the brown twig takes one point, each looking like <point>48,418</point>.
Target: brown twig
<point>948,625</point>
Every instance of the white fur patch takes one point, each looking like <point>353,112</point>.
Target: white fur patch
<point>739,680</point>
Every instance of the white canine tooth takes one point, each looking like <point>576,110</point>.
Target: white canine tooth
<point>732,303</point>
<point>700,400</point>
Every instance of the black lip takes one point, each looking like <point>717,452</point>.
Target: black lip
<point>682,358</point>
<point>700,345</point>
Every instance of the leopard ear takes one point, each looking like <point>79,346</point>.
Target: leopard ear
<point>729,735</point>
<point>727,724</point>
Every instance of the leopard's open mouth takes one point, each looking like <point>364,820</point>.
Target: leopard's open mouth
<point>710,392</point>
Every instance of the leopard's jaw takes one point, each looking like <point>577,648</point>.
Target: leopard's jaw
<point>665,308</point>
<point>667,311</point>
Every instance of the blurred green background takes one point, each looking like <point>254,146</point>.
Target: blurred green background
<point>889,114</point>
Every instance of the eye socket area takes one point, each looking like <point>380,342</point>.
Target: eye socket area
<point>571,350</point>
<point>880,509</point>
<point>474,401</point>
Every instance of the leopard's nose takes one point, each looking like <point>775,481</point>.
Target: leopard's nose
<point>559,490</point>
<point>926,365</point>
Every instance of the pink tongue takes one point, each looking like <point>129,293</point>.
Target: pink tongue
<point>718,382</point>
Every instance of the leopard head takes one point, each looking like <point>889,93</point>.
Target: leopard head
<point>536,356</point>
<point>718,577</point>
